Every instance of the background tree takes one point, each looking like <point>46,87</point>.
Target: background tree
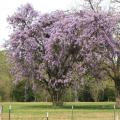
<point>5,78</point>
<point>107,63</point>
<point>18,93</point>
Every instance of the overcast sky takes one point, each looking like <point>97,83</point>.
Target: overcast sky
<point>8,7</point>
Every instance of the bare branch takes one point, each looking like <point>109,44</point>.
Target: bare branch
<point>117,1</point>
<point>91,5</point>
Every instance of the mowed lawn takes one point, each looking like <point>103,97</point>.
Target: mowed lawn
<point>38,111</point>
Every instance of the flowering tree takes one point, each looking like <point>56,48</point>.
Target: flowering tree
<point>108,65</point>
<point>106,62</point>
<point>44,48</point>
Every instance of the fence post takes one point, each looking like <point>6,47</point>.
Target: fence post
<point>47,116</point>
<point>114,112</point>
<point>72,113</point>
<point>117,117</point>
<point>9,111</point>
<point>1,107</point>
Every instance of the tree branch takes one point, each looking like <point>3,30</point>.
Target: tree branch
<point>91,5</point>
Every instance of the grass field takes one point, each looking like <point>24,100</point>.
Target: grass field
<point>81,111</point>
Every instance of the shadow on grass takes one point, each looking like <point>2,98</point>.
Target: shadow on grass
<point>76,107</point>
<point>89,107</point>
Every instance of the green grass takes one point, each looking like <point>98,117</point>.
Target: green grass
<point>38,107</point>
<point>82,110</point>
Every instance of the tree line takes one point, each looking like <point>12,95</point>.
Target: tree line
<point>78,92</point>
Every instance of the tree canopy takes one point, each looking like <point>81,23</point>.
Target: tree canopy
<point>44,48</point>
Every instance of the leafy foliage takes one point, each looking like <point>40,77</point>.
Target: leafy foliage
<point>5,78</point>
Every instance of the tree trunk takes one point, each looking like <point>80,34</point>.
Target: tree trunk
<point>117,92</point>
<point>76,91</point>
<point>26,92</point>
<point>56,97</point>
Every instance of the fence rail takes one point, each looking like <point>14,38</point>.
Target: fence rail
<point>77,116</point>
